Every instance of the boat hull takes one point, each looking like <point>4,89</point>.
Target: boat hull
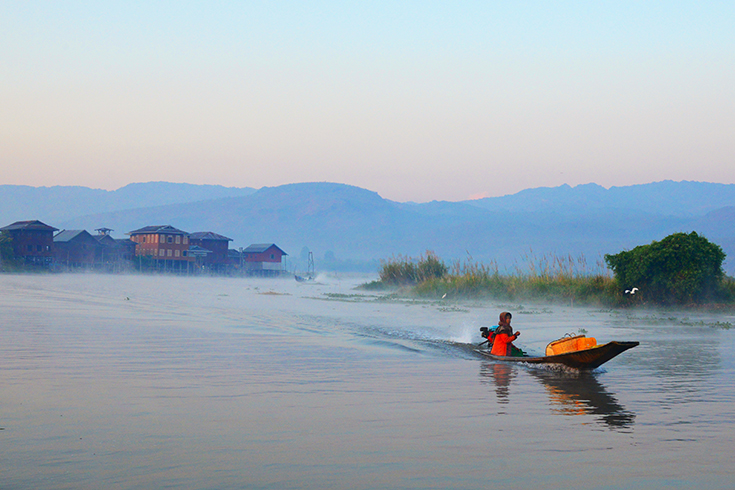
<point>583,359</point>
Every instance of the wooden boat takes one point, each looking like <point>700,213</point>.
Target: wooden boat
<point>309,270</point>
<point>589,358</point>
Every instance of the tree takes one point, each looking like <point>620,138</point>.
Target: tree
<point>7,254</point>
<point>681,268</point>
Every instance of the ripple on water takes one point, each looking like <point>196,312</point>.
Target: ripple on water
<point>209,384</point>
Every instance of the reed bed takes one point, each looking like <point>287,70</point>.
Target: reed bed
<point>550,278</point>
<point>402,271</point>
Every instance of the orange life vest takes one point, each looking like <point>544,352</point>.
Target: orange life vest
<point>502,344</point>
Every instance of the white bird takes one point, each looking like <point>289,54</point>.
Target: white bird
<point>445,295</point>
<point>631,291</point>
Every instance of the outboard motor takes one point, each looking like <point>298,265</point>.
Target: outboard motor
<point>484,331</point>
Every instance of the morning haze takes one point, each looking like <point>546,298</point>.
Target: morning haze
<point>355,228</point>
<point>218,136</point>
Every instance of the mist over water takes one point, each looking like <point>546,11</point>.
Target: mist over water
<point>165,381</point>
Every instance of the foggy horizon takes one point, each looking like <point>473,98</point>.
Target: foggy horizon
<point>437,198</point>
<point>416,102</point>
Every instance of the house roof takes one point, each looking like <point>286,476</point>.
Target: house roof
<point>207,235</point>
<point>34,225</point>
<point>167,229</point>
<point>105,240</point>
<point>65,236</point>
<point>124,243</point>
<point>256,248</point>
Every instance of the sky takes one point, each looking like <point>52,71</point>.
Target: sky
<point>416,100</point>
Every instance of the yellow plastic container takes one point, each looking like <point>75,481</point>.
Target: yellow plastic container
<point>570,344</point>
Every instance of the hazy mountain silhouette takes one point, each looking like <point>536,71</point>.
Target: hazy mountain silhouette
<point>60,203</point>
<point>359,227</point>
<point>667,198</point>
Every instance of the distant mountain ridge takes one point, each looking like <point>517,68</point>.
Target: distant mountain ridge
<point>357,226</point>
<point>66,202</point>
<point>667,198</point>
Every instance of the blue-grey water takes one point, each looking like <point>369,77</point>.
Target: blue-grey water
<point>134,382</point>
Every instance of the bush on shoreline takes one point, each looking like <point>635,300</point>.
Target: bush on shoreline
<point>8,261</point>
<point>550,279</point>
<point>682,268</point>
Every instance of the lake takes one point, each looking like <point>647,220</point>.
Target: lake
<point>136,381</point>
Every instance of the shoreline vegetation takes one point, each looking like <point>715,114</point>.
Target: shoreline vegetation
<point>551,279</point>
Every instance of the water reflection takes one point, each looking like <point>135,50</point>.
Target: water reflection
<point>570,393</point>
<point>501,374</point>
<point>581,393</point>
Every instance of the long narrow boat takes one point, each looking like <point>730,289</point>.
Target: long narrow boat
<point>581,359</point>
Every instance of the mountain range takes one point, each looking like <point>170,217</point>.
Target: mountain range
<point>349,227</point>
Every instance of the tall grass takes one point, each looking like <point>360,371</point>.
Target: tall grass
<point>403,271</point>
<point>549,278</point>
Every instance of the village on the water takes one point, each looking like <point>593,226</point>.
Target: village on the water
<point>153,248</point>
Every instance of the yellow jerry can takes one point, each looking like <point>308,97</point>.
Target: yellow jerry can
<point>570,344</point>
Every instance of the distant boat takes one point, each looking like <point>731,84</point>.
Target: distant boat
<point>309,271</point>
<point>571,352</point>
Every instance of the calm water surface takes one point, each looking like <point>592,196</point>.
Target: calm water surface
<point>176,382</point>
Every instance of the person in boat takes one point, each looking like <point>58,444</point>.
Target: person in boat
<point>503,337</point>
<point>503,324</point>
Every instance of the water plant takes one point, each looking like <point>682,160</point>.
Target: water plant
<point>401,270</point>
<point>560,279</point>
<point>682,269</point>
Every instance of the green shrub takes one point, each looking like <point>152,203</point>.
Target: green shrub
<point>680,269</point>
<point>728,289</point>
<point>569,280</point>
<point>8,260</point>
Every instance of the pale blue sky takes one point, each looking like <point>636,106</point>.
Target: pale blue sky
<point>415,100</point>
